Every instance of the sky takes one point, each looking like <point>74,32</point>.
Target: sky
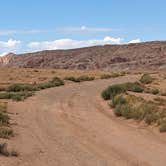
<point>34,25</point>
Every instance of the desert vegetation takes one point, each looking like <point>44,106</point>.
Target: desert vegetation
<point>20,92</point>
<point>6,130</point>
<point>80,78</point>
<point>131,106</point>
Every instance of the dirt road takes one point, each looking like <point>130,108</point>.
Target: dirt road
<point>73,126</point>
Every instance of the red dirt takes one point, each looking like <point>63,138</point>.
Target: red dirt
<point>73,126</point>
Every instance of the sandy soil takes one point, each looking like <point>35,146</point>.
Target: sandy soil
<point>73,126</point>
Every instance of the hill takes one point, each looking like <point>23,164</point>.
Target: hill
<point>149,55</point>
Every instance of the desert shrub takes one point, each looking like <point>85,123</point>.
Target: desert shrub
<point>3,106</point>
<point>152,91</point>
<point>5,152</point>
<point>114,75</point>
<point>4,118</point>
<point>155,91</point>
<point>15,96</point>
<point>105,76</point>
<point>5,132</point>
<point>112,91</point>
<point>151,117</point>
<point>53,83</point>
<point>14,153</point>
<point>79,79</point>
<point>146,79</point>
<point>163,126</point>
<point>57,81</point>
<point>126,111</point>
<point>118,110</point>
<point>18,88</point>
<point>3,149</point>
<point>118,100</point>
<point>71,78</point>
<point>85,78</point>
<point>134,87</point>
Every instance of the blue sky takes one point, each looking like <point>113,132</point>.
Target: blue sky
<point>31,25</point>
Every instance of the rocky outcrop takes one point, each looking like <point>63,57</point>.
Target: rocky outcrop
<point>149,55</point>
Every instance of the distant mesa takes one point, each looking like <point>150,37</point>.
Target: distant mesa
<point>148,55</point>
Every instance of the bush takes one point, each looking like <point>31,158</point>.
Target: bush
<point>5,132</point>
<point>72,79</point>
<point>163,126</point>
<point>134,87</point>
<point>155,91</point>
<point>19,88</point>
<point>57,81</point>
<point>53,83</point>
<point>105,76</point>
<point>4,118</point>
<point>151,118</point>
<point>152,91</point>
<point>85,78</point>
<point>114,75</point>
<point>15,96</point>
<point>79,79</point>
<point>146,79</point>
<point>118,100</point>
<point>3,149</point>
<point>5,152</point>
<point>112,91</point>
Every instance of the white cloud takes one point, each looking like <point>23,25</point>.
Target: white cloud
<point>13,32</point>
<point>83,29</point>
<point>135,41</point>
<point>3,54</point>
<point>9,46</point>
<point>69,43</point>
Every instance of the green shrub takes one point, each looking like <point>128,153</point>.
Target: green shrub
<point>146,79</point>
<point>5,152</point>
<point>134,87</point>
<point>79,79</point>
<point>152,91</point>
<point>126,111</point>
<point>15,96</point>
<point>5,132</point>
<point>3,149</point>
<point>4,118</point>
<point>163,126</point>
<point>53,83</point>
<point>57,81</point>
<point>112,91</point>
<point>151,118</point>
<point>72,79</point>
<point>114,75</point>
<point>19,88</point>
<point>118,100</point>
<point>85,78</point>
<point>118,110</point>
<point>105,76</point>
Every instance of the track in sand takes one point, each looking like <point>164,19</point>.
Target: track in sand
<point>73,126</point>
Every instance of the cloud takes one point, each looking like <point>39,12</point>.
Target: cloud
<point>135,41</point>
<point>14,32</point>
<point>3,54</point>
<point>69,43</point>
<point>9,46</point>
<point>83,29</point>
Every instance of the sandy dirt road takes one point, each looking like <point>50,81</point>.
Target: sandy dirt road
<point>73,126</point>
